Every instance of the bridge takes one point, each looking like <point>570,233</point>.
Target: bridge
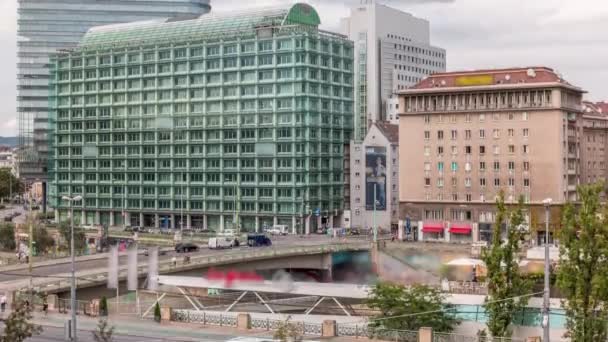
<point>316,256</point>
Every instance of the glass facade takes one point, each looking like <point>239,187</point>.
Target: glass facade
<point>47,26</point>
<point>247,122</point>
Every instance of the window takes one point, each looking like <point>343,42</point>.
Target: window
<point>511,165</point>
<point>427,181</point>
<point>482,150</point>
<point>440,135</point>
<point>482,134</point>
<point>454,166</point>
<point>482,166</point>
<point>525,132</point>
<point>524,116</point>
<point>467,134</point>
<point>511,149</point>
<point>526,149</point>
<point>496,182</point>
<point>496,133</point>
<point>439,182</point>
<point>482,117</point>
<point>454,134</point>
<point>510,132</point>
<point>440,151</point>
<point>526,166</point>
<point>482,182</point>
<point>427,135</point>
<point>526,182</point>
<point>467,149</point>
<point>511,182</point>
<point>454,150</point>
<point>496,149</point>
<point>496,166</point>
<point>440,166</point>
<point>427,151</point>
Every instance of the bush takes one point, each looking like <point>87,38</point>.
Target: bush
<point>7,237</point>
<point>157,312</point>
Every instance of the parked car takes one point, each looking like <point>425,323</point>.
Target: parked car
<point>257,240</point>
<point>223,242</point>
<point>354,231</point>
<point>186,247</point>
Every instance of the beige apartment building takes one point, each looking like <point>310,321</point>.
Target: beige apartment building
<point>594,156</point>
<point>465,136</point>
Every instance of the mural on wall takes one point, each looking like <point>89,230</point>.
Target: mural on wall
<point>375,177</point>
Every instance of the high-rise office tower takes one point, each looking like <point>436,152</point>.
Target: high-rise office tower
<point>46,26</point>
<point>393,51</point>
<point>226,121</point>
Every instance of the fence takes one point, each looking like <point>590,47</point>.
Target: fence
<point>444,337</point>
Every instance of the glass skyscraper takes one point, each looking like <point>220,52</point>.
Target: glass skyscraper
<point>224,121</point>
<point>45,26</point>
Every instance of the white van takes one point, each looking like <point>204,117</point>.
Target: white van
<point>222,242</point>
<point>278,229</point>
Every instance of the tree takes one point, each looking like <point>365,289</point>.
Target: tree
<point>104,331</point>
<point>287,331</point>
<point>7,237</point>
<point>18,326</point>
<point>9,184</point>
<point>582,275</point>
<point>157,315</point>
<point>507,289</point>
<point>409,308</point>
<point>43,240</point>
<point>79,237</point>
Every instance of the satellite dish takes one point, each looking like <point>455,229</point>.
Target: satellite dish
<point>531,73</point>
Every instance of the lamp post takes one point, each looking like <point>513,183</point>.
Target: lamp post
<point>71,200</point>
<point>547,203</point>
<point>374,228</point>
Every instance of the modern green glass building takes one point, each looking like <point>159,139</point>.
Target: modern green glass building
<point>223,121</point>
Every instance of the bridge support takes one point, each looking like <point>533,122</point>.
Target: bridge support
<point>321,299</point>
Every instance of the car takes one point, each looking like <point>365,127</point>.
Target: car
<point>186,247</point>
<point>256,240</point>
<point>160,251</point>
<point>354,231</point>
<point>278,229</point>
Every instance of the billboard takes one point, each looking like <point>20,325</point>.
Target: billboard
<point>375,177</point>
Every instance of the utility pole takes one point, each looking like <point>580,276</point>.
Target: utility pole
<point>546,292</point>
<point>375,229</point>
<point>71,200</point>
<point>31,249</point>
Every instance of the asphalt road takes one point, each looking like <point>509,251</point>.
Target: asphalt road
<point>63,267</point>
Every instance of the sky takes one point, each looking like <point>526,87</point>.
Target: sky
<point>569,36</point>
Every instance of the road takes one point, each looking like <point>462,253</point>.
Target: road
<point>63,266</point>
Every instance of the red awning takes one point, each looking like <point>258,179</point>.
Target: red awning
<point>432,228</point>
<point>460,229</point>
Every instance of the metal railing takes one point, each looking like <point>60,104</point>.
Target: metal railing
<point>447,337</point>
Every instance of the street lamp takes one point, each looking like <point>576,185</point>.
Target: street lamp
<point>547,203</point>
<point>73,280</point>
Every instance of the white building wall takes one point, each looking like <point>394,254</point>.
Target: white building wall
<point>375,26</point>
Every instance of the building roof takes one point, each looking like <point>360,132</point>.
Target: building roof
<point>599,109</point>
<point>491,77</point>
<point>390,131</point>
<point>202,27</point>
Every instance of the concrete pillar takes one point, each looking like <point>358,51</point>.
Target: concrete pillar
<point>57,216</point>
<point>475,232</point>
<point>326,273</point>
<point>275,220</point>
<point>328,329</point>
<point>127,218</point>
<point>83,218</point>
<point>156,221</point>
<point>257,224</point>
<point>294,223</point>
<point>307,225</point>
<point>188,221</point>
<point>111,219</point>
<point>97,217</point>
<point>53,301</point>
<point>172,221</point>
<point>425,335</point>
<point>205,222</point>
<point>420,233</point>
<point>141,219</point>
<point>222,223</point>
<point>243,321</point>
<point>446,232</point>
<point>331,221</point>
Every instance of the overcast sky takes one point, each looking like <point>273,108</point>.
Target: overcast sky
<point>570,36</point>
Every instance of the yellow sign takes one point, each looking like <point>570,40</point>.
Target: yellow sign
<point>463,81</point>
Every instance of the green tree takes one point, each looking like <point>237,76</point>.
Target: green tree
<point>506,286</point>
<point>409,308</point>
<point>80,243</point>
<point>104,332</point>
<point>582,275</point>
<point>7,237</point>
<point>9,184</point>
<point>18,326</point>
<point>157,315</point>
<point>44,241</point>
<point>288,331</point>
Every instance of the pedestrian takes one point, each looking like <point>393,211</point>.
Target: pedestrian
<point>174,261</point>
<point>3,303</point>
<point>45,305</point>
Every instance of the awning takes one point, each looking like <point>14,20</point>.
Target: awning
<point>460,229</point>
<point>432,228</point>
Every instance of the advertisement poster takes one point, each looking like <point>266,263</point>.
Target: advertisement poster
<point>375,177</point>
